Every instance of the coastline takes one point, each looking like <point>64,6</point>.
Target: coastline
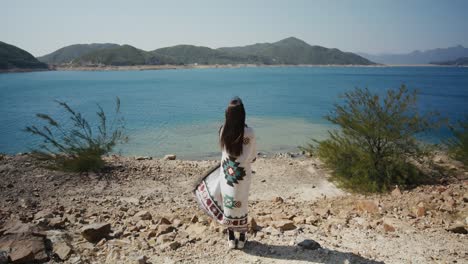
<point>19,70</point>
<point>214,66</point>
<point>232,66</point>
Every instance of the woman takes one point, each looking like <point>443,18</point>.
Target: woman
<point>223,194</point>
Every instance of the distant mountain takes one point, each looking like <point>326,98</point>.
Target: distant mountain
<point>12,57</point>
<point>420,57</point>
<point>458,62</point>
<point>69,53</point>
<point>295,51</point>
<point>189,54</point>
<point>290,51</point>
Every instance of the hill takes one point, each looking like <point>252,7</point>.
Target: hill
<point>420,57</point>
<point>189,54</point>
<point>120,55</point>
<point>69,53</point>
<point>290,51</point>
<point>458,62</point>
<point>12,57</point>
<point>295,51</point>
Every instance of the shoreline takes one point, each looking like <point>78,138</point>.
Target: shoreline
<point>234,66</point>
<point>215,66</point>
<point>19,70</point>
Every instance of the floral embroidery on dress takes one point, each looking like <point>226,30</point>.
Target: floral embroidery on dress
<point>230,203</point>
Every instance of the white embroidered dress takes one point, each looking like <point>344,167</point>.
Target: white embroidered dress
<point>224,193</point>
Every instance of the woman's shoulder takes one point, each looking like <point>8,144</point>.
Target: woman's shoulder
<point>248,131</point>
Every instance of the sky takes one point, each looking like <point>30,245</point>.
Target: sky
<point>371,26</point>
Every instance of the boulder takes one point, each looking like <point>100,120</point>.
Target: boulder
<point>24,248</point>
<point>265,219</point>
<point>299,220</point>
<point>369,206</point>
<point>95,232</point>
<point>253,227</point>
<point>46,213</point>
<point>18,227</point>
<point>278,200</point>
<point>420,210</point>
<point>130,200</point>
<point>312,220</point>
<point>141,260</point>
<point>164,221</point>
<point>322,212</point>
<point>170,157</point>
<point>170,245</point>
<point>144,158</point>
<point>196,229</point>
<point>3,257</point>
<point>56,222</point>
<point>166,238</point>
<point>458,229</point>
<point>388,228</point>
<point>62,250</point>
<point>396,192</point>
<point>143,215</point>
<point>309,244</point>
<point>284,225</point>
<point>164,229</point>
<point>194,219</point>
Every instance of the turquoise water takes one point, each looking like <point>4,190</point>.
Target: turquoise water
<point>180,111</point>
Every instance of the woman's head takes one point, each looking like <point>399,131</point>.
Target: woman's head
<point>233,129</point>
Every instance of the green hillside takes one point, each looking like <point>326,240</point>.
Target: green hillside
<point>290,51</point>
<point>189,54</point>
<point>12,57</point>
<point>122,56</point>
<point>69,53</point>
<point>295,51</point>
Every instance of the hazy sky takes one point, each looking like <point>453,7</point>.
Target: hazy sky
<point>373,26</point>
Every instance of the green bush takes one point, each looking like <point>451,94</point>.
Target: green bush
<point>375,147</point>
<point>458,144</point>
<point>78,148</point>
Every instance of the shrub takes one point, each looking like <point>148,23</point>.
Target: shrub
<point>376,146</point>
<point>458,144</point>
<point>78,148</point>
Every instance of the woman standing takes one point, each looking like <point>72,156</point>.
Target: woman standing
<point>223,194</point>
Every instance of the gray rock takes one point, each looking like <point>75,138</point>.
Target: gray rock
<point>130,200</point>
<point>95,232</point>
<point>62,250</point>
<point>458,229</point>
<point>24,248</point>
<point>43,214</point>
<point>284,225</point>
<point>3,257</point>
<point>141,260</point>
<point>143,215</point>
<point>309,244</point>
<point>170,157</point>
<point>144,158</point>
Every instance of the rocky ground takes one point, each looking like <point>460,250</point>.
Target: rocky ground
<point>143,211</point>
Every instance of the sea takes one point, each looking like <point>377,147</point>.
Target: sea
<point>180,111</point>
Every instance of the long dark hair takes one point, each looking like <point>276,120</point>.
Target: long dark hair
<point>232,136</point>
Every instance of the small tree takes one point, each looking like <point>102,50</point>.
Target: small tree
<point>458,144</point>
<point>376,144</point>
<point>79,148</point>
